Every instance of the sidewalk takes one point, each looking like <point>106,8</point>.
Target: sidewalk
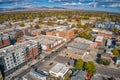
<point>22,69</point>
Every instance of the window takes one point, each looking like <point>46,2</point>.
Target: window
<point>7,58</point>
<point>10,56</point>
<point>8,64</point>
<point>7,61</point>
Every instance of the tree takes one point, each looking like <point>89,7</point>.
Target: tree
<point>79,64</point>
<point>37,26</point>
<point>115,52</point>
<point>22,24</point>
<point>40,21</point>
<point>67,77</point>
<point>73,26</point>
<point>103,61</point>
<point>79,24</point>
<point>115,29</point>
<point>90,67</point>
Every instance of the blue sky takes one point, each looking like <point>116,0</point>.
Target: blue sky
<point>100,5</point>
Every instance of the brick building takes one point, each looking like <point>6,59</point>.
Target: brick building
<point>99,40</point>
<point>49,42</point>
<point>4,40</point>
<point>16,56</point>
<point>79,48</point>
<point>104,33</point>
<point>76,53</point>
<point>68,34</point>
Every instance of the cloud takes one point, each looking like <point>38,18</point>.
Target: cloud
<point>72,4</point>
<point>115,5</point>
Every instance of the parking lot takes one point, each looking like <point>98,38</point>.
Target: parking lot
<point>64,60</point>
<point>47,65</point>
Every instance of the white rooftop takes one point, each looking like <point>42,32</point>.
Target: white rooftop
<point>59,68</point>
<point>99,38</point>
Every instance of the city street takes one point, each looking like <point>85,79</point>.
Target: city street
<point>49,57</point>
<point>104,70</point>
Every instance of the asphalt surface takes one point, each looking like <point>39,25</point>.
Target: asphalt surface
<point>108,71</point>
<point>47,58</point>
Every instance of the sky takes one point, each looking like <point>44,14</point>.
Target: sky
<point>97,5</point>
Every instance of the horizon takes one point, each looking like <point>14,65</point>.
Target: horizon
<point>95,5</point>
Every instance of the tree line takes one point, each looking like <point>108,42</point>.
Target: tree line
<point>22,15</point>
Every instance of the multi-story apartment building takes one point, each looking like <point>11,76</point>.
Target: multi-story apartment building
<point>15,56</point>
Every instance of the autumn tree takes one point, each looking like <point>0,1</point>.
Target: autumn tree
<point>79,24</point>
<point>115,52</point>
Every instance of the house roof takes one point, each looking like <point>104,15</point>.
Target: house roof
<point>79,75</point>
<point>118,58</point>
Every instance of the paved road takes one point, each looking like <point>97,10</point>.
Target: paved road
<point>47,58</point>
<point>108,71</point>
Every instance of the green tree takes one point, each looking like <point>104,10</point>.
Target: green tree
<point>79,64</point>
<point>90,67</point>
<point>79,24</point>
<point>67,77</point>
<point>22,24</point>
<point>103,61</point>
<point>37,26</point>
<point>115,52</point>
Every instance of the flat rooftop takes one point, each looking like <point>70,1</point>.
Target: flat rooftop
<point>76,51</point>
<point>59,68</point>
<point>79,45</point>
<point>17,47</point>
<point>47,39</point>
<point>83,40</point>
<point>99,38</point>
<point>105,32</point>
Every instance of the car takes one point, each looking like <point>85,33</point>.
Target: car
<point>51,63</point>
<point>43,60</point>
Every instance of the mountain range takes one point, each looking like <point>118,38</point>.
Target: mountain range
<point>97,5</point>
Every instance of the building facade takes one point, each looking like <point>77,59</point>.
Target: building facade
<point>16,56</point>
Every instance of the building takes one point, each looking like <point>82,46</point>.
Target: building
<point>24,29</point>
<point>99,40</point>
<point>36,32</point>
<point>68,34</point>
<point>15,56</point>
<point>89,21</point>
<point>79,48</point>
<point>75,53</point>
<point>78,45</point>
<point>107,25</point>
<point>59,70</point>
<point>79,75</point>
<point>104,33</point>
<point>4,40</point>
<point>35,75</point>
<point>109,43</point>
<point>118,60</point>
<point>49,42</point>
<point>85,41</point>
